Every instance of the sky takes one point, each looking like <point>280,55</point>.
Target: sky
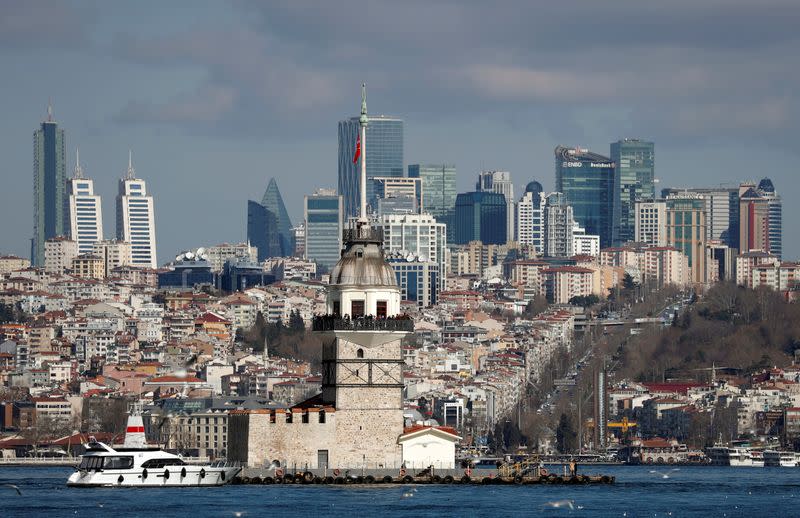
<point>216,97</point>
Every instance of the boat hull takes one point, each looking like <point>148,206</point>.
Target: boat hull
<point>184,476</point>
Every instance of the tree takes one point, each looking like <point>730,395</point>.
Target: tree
<point>566,436</point>
<point>296,323</point>
<point>535,306</point>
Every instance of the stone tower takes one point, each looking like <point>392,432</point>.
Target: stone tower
<point>362,361</point>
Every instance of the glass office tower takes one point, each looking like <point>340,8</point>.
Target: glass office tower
<point>438,192</point>
<point>324,216</point>
<point>50,209</point>
<point>269,228</point>
<point>587,181</point>
<point>384,151</point>
<point>634,181</point>
<point>480,216</point>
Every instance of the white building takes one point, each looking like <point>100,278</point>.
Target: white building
<point>217,255</point>
<point>530,218</point>
<point>425,446</point>
<point>651,220</point>
<point>136,219</point>
<point>85,210</point>
<point>419,235</point>
<point>58,254</point>
<point>583,243</point>
<point>558,225</point>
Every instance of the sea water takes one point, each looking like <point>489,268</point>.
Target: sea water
<point>638,491</point>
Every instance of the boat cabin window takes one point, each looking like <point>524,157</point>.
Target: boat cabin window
<point>91,462</point>
<point>160,463</point>
<point>118,463</point>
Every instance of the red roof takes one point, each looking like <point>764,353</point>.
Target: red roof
<point>175,379</point>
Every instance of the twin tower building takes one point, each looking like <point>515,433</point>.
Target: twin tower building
<point>69,207</point>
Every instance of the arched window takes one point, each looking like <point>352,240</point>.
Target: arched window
<point>360,353</point>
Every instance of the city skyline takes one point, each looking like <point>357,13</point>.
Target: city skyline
<point>194,150</point>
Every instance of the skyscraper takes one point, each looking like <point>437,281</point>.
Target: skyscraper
<point>500,182</point>
<point>722,212</point>
<point>136,218</point>
<point>651,219</point>
<point>85,210</point>
<point>587,181</point>
<point>686,230</point>
<point>753,219</point>
<point>385,137</point>
<point>767,190</point>
<point>480,216</point>
<point>324,217</point>
<point>558,226</point>
<point>50,210</point>
<point>438,192</point>
<point>269,228</point>
<point>633,181</point>
<point>530,217</point>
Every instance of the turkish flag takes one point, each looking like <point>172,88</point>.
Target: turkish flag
<point>358,150</point>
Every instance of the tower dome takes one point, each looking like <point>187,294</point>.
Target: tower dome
<point>362,283</point>
<point>363,264</point>
<point>534,186</point>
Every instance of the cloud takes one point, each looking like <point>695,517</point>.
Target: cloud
<point>42,24</point>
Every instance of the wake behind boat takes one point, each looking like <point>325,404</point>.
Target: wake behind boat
<point>138,465</point>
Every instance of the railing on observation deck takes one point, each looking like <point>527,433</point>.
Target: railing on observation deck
<point>336,323</point>
<point>364,233</point>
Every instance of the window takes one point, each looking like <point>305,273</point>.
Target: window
<point>160,463</point>
<point>337,308</point>
<point>360,353</point>
<point>357,308</point>
<point>380,309</point>
<point>118,463</point>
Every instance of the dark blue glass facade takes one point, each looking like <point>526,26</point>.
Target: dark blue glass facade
<point>480,216</point>
<point>587,181</point>
<point>634,181</point>
<point>384,152</point>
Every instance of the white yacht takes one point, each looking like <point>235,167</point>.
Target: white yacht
<point>138,465</point>
<point>783,459</point>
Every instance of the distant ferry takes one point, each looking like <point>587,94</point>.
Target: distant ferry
<point>783,459</point>
<point>736,456</point>
<point>138,465</point>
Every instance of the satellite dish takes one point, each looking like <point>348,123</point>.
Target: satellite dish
<point>421,259</point>
<point>410,257</point>
<point>189,255</point>
<point>179,257</point>
<point>200,251</point>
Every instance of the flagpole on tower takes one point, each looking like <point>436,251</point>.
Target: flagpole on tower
<point>363,121</point>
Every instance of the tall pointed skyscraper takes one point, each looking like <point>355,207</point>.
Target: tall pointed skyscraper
<point>269,228</point>
<point>85,210</point>
<point>136,219</point>
<point>50,210</point>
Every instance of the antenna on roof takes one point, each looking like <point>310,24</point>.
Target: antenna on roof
<point>130,174</point>
<point>49,109</point>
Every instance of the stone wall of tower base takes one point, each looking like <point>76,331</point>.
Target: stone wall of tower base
<point>352,438</point>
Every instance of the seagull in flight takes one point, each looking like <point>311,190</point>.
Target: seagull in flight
<point>663,474</point>
<point>559,504</point>
<point>15,488</point>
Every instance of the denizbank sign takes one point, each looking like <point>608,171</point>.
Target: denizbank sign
<point>591,164</point>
